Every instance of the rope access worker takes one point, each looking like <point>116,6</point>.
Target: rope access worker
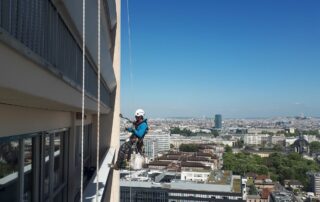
<point>138,131</point>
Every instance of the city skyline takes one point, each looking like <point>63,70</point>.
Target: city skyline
<point>236,58</point>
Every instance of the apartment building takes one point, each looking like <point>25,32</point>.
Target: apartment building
<point>315,183</point>
<point>41,98</point>
<point>141,188</point>
<point>256,139</point>
<point>162,138</point>
<point>151,148</point>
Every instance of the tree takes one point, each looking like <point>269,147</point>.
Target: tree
<point>262,170</point>
<point>183,132</point>
<point>278,166</point>
<point>171,146</point>
<point>253,190</point>
<point>189,147</point>
<point>314,147</point>
<point>228,149</point>
<point>278,148</point>
<point>215,133</point>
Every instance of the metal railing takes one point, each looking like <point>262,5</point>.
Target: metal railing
<point>38,26</point>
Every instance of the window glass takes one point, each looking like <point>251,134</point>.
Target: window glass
<point>86,139</point>
<point>58,197</point>
<point>9,163</point>
<point>28,170</point>
<point>77,152</point>
<point>46,160</point>
<point>51,167</point>
<point>58,159</point>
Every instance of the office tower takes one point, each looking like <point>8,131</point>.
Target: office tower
<point>41,97</point>
<point>218,121</point>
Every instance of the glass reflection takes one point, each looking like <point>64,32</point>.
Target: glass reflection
<point>58,159</point>
<point>9,163</point>
<point>28,174</point>
<point>47,160</point>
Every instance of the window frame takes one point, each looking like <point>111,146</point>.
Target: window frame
<point>38,165</point>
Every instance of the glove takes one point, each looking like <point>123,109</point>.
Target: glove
<point>128,129</point>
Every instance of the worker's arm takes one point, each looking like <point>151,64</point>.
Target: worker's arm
<point>140,131</point>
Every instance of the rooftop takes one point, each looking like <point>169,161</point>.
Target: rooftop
<point>236,186</point>
<point>179,185</point>
<point>282,196</point>
<point>159,163</point>
<point>220,177</point>
<point>261,177</point>
<point>265,193</point>
<point>221,181</point>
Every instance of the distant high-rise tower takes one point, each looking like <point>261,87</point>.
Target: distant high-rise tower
<point>218,121</point>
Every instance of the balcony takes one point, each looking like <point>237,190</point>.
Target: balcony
<point>38,31</point>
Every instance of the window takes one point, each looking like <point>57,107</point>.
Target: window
<point>58,159</point>
<point>46,164</point>
<point>9,168</point>
<point>28,169</point>
<point>32,166</point>
<point>87,133</point>
<point>88,169</point>
<point>53,178</point>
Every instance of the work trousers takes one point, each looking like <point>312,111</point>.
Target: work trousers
<point>125,151</point>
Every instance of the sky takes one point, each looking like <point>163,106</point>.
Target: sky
<point>238,58</point>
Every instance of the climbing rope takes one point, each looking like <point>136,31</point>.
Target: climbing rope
<point>83,85</point>
<point>130,57</point>
<point>98,115</point>
<point>131,77</point>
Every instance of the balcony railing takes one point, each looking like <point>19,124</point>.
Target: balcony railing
<point>38,26</point>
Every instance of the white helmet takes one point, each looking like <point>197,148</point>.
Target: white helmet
<point>139,112</point>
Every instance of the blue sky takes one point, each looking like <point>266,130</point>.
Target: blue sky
<point>240,58</point>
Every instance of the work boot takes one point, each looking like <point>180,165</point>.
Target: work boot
<point>114,166</point>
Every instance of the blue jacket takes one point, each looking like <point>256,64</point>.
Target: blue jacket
<point>140,130</point>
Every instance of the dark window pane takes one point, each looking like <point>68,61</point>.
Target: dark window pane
<point>9,158</point>
<point>59,197</point>
<point>77,146</point>
<point>58,159</point>
<point>28,174</point>
<point>46,160</point>
<point>86,140</point>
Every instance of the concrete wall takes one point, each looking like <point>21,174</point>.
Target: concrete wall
<point>113,192</point>
<point>16,120</point>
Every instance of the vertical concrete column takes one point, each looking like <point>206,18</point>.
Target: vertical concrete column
<point>113,185</point>
<point>73,173</point>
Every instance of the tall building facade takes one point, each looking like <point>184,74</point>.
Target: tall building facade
<point>147,191</point>
<point>315,182</point>
<point>218,121</point>
<point>151,148</point>
<point>162,139</point>
<point>41,92</point>
<point>256,139</point>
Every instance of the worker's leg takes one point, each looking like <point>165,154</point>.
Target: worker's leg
<point>129,151</point>
<point>124,150</point>
<point>140,147</point>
